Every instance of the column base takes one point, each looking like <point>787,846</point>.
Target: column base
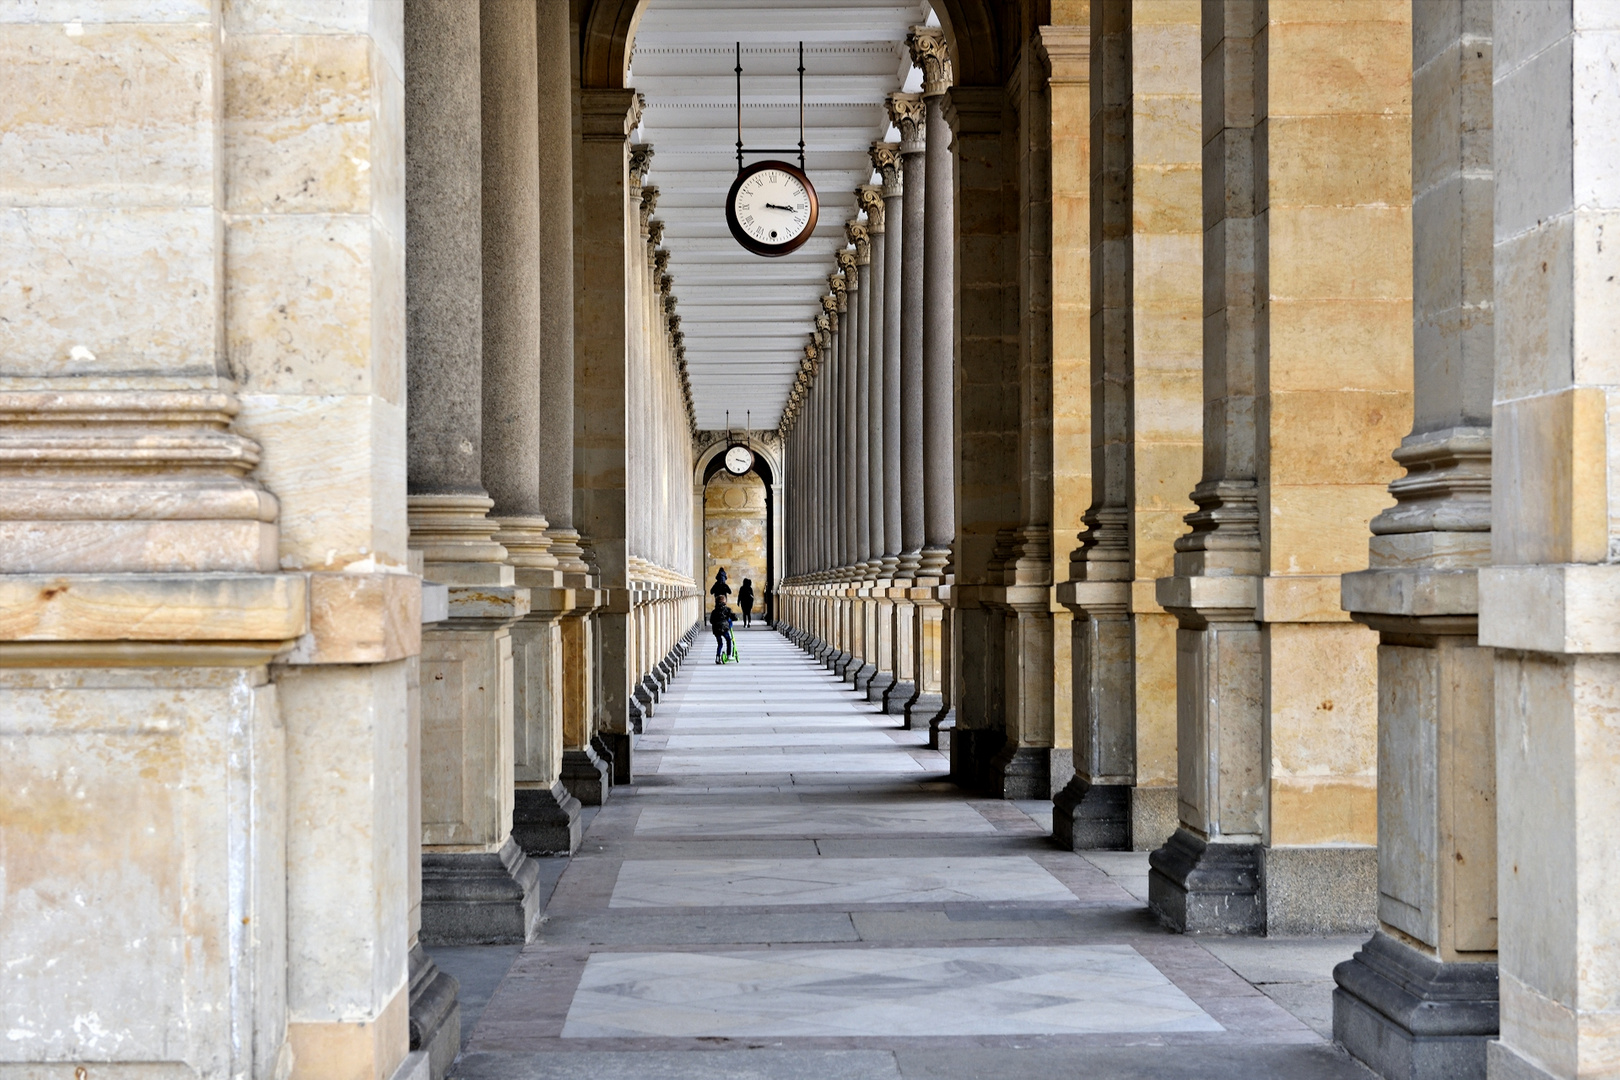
<point>545,821</point>
<point>1020,772</point>
<point>863,676</point>
<point>435,1021</point>
<point>586,776</point>
<point>1092,817</point>
<point>480,898</point>
<point>617,745</point>
<point>654,692</point>
<point>840,661</point>
<point>921,709</point>
<point>896,697</point>
<point>1408,1016</point>
<point>1195,887</point>
<point>879,685</point>
<point>971,752</point>
<point>1062,768</point>
<point>940,729</point>
<point>1319,890</point>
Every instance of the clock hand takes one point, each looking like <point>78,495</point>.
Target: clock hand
<point>773,206</point>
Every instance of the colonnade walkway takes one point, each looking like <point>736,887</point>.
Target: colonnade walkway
<point>792,889</point>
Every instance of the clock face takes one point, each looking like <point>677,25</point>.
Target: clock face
<point>739,459</point>
<point>772,208</point>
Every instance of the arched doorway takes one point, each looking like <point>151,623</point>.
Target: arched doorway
<point>739,525</point>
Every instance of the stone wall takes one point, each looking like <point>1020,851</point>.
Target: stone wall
<point>734,530</point>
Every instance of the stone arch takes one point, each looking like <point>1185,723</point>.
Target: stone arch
<point>983,35</point>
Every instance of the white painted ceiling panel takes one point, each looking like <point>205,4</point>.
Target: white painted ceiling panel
<point>747,318</point>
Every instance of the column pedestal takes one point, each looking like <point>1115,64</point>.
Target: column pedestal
<point>480,897</point>
<point>1196,887</point>
<point>1407,1014</point>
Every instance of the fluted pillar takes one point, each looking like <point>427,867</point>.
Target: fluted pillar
<point>608,239</point>
<point>882,561</point>
<point>545,816</point>
<point>467,748</point>
<point>1278,801</point>
<point>1145,366</point>
<point>932,591</point>
<point>906,112</point>
<point>1419,1001</point>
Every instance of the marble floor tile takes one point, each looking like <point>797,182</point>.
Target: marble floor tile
<point>1005,990</point>
<point>860,737</point>
<point>753,882</point>
<point>788,763</point>
<point>946,819</point>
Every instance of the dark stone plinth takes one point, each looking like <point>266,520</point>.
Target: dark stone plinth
<point>862,676</point>
<point>545,821</point>
<point>1019,772</point>
<point>480,898</point>
<point>922,708</point>
<point>618,753</point>
<point>971,752</point>
<point>896,697</point>
<point>587,776</point>
<point>654,692</point>
<point>1196,887</point>
<point>879,685</point>
<point>1408,1016</point>
<point>435,1020</point>
<point>940,729</point>
<point>1092,817</point>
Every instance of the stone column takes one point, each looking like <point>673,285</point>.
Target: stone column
<point>1146,451</point>
<point>582,771</point>
<point>607,237</point>
<point>860,673</point>
<point>1419,1000</point>
<point>1277,692</point>
<point>545,816</point>
<point>883,560</point>
<point>1547,601</point>
<point>477,883</point>
<point>907,112</point>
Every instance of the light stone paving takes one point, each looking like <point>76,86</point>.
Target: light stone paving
<point>1021,990</point>
<point>752,882</point>
<point>781,895</point>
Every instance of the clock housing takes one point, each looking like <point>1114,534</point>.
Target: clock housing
<point>771,208</point>
<point>739,459</point>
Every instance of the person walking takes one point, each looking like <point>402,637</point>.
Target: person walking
<point>720,624</point>
<point>720,590</point>
<point>745,600</point>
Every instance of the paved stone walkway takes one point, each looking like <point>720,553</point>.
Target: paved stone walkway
<point>791,889</point>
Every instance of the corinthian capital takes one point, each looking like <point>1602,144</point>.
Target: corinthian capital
<point>847,275</point>
<point>859,236</point>
<point>869,197</point>
<point>928,51</point>
<point>661,262</point>
<point>906,113</point>
<point>641,155</point>
<point>886,160</point>
<point>655,231</point>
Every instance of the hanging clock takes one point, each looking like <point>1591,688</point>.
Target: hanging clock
<point>771,208</point>
<point>739,459</point>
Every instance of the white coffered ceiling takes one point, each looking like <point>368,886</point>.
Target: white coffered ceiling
<point>746,318</point>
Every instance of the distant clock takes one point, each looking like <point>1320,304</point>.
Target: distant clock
<point>772,208</point>
<point>739,459</point>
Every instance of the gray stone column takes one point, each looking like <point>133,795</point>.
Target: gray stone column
<point>906,112</point>
<point>1419,1001</point>
<point>859,674</point>
<point>608,239</point>
<point>882,561</point>
<point>545,816</point>
<point>928,704</point>
<point>477,884</point>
